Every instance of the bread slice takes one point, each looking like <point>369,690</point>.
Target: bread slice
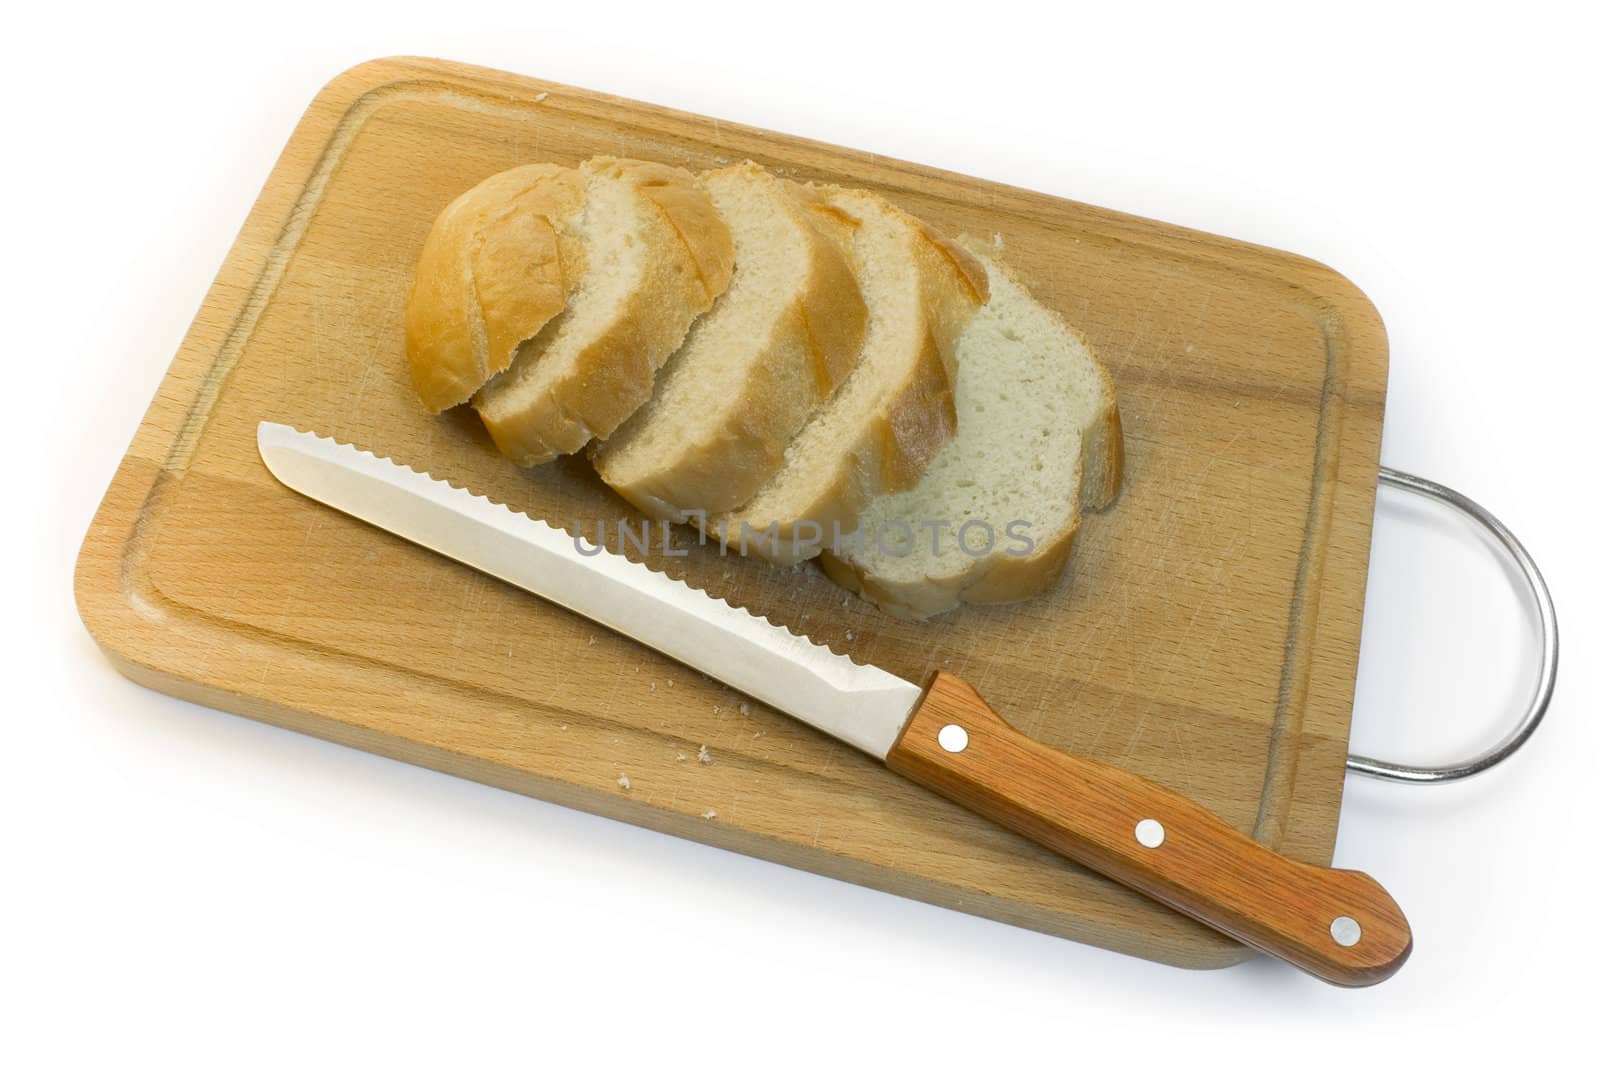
<point>657,256</point>
<point>753,369</point>
<point>884,425</point>
<point>498,264</point>
<point>1040,439</point>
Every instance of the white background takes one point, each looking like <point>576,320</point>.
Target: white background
<point>181,886</point>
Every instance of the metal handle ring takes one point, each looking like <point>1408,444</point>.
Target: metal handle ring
<point>1549,635</point>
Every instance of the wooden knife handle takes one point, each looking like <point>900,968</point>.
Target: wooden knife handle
<point>1339,925</point>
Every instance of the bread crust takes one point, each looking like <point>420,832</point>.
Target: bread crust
<point>688,210</point>
<point>1103,454</point>
<point>1007,580</point>
<point>999,578</point>
<point>497,265</point>
<point>890,451</point>
<point>814,339</point>
<point>689,266</point>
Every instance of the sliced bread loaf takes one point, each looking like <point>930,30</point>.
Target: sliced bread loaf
<point>657,256</point>
<point>498,264</point>
<point>994,517</point>
<point>753,368</point>
<point>879,431</point>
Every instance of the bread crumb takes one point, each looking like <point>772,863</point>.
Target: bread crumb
<point>563,726</point>
<point>709,815</point>
<point>682,758</point>
<point>849,635</point>
<point>652,687</point>
<point>540,98</point>
<point>624,783</point>
<point>715,710</point>
<point>999,240</point>
<point>591,639</point>
<point>758,733</point>
<point>744,709</point>
<point>705,755</point>
<point>669,683</point>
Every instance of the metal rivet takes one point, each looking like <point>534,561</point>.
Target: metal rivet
<point>1345,930</point>
<point>952,737</point>
<point>1150,833</point>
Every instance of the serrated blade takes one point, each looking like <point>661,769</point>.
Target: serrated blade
<point>860,705</point>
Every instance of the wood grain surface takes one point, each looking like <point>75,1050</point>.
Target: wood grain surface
<point>1205,637</point>
<point>959,747</point>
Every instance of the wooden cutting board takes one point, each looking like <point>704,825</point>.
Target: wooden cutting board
<point>1205,637</point>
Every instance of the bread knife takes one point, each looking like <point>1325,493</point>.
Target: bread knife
<point>1339,925</point>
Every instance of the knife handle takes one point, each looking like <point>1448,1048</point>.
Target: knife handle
<point>1339,925</point>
